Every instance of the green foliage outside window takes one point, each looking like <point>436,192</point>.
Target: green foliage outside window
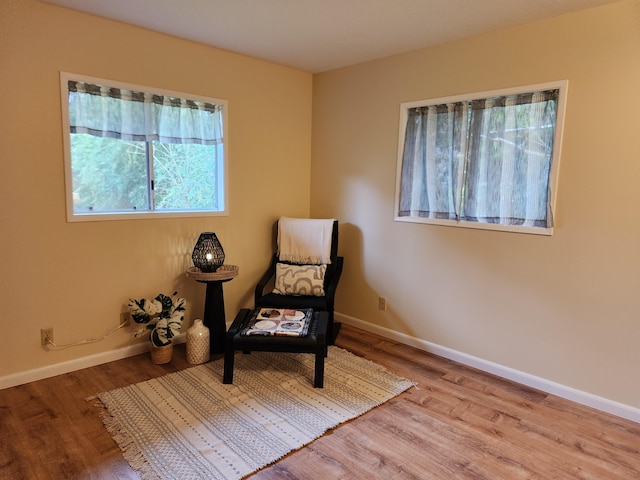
<point>111,175</point>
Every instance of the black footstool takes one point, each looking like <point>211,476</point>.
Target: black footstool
<point>314,342</point>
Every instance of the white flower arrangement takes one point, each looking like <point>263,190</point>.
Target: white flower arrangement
<point>162,316</point>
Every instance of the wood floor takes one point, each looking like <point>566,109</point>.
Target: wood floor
<point>458,423</point>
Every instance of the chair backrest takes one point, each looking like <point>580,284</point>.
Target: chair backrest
<point>334,242</point>
<point>282,280</point>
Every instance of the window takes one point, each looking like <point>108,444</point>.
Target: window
<point>487,160</point>
<point>133,151</point>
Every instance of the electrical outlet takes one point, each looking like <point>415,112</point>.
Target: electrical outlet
<point>382,303</point>
<point>46,335</point>
<point>125,317</point>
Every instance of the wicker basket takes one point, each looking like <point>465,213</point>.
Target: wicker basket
<point>161,355</point>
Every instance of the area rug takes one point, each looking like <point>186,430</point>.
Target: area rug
<point>189,425</point>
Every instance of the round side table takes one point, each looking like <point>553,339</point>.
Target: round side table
<point>214,317</point>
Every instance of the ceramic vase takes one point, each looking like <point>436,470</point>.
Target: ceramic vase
<point>198,343</point>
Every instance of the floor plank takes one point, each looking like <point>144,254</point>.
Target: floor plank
<point>457,422</point>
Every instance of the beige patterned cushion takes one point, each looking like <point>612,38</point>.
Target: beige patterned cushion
<point>300,279</point>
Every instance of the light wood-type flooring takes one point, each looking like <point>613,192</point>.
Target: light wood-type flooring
<point>459,423</point>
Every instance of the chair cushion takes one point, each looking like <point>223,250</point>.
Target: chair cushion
<point>276,300</point>
<point>299,279</point>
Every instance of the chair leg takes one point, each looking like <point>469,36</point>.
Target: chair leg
<point>229,357</point>
<point>318,381</point>
<point>331,337</point>
<point>333,328</point>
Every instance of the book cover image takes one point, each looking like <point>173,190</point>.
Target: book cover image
<point>279,321</point>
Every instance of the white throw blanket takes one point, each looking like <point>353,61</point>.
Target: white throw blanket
<point>305,240</point>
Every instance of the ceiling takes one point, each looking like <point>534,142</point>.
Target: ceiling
<point>319,35</point>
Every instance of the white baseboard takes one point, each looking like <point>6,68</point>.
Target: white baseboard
<point>77,364</point>
<point>569,393</point>
<point>578,396</point>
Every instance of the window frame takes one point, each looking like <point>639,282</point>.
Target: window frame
<point>223,175</point>
<point>560,85</point>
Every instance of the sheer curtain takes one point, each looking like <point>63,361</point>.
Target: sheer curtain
<point>433,161</point>
<point>129,115</point>
<point>510,151</point>
<point>484,161</point>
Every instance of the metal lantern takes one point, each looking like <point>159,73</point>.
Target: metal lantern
<point>208,254</point>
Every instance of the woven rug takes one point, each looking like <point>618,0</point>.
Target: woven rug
<point>189,425</point>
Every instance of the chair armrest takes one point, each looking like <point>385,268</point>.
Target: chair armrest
<point>262,283</point>
<point>332,283</point>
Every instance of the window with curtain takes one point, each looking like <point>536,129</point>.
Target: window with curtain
<point>487,160</point>
<point>134,150</point>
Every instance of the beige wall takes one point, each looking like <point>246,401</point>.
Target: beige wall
<point>563,308</point>
<point>77,277</point>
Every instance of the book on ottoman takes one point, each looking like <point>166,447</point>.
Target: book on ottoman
<point>279,322</point>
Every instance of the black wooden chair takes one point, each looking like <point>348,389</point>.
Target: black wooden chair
<point>323,302</point>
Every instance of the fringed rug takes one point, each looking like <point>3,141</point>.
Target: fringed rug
<point>189,425</point>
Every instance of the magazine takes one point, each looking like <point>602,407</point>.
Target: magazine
<point>279,322</point>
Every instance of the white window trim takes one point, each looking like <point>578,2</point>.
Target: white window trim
<point>66,139</point>
<point>561,85</point>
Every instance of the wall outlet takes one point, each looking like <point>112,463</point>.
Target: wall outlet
<point>46,335</point>
<point>382,303</point>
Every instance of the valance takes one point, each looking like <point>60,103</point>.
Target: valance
<point>111,112</point>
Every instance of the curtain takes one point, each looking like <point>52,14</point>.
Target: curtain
<point>433,161</point>
<point>483,160</point>
<point>129,115</point>
<point>510,152</point>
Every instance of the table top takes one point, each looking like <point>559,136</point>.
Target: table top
<point>317,334</point>
<point>223,273</point>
